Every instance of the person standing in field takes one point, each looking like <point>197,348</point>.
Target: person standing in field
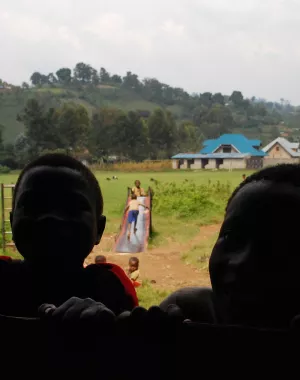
<point>137,189</point>
<point>133,208</point>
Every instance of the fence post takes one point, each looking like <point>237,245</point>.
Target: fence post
<point>2,217</point>
<point>3,210</point>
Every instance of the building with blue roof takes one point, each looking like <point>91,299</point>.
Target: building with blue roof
<point>229,151</point>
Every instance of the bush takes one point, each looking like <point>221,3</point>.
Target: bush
<point>4,169</point>
<point>189,200</point>
<point>131,166</point>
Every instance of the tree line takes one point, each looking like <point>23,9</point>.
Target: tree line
<point>244,112</point>
<point>53,123</point>
<point>108,132</point>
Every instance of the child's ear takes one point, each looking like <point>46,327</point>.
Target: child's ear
<point>100,228</point>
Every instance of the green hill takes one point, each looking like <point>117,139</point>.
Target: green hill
<point>12,102</point>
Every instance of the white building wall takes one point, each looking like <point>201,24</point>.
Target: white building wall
<point>211,164</point>
<point>175,164</point>
<point>197,164</point>
<point>233,163</point>
<point>184,165</point>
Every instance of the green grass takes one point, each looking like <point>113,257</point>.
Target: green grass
<point>114,194</point>
<point>199,254</point>
<point>149,296</point>
<point>166,229</point>
<point>8,118</point>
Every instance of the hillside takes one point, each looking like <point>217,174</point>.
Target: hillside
<point>12,103</point>
<point>211,114</point>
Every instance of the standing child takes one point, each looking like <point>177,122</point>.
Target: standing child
<point>137,189</point>
<point>133,213</point>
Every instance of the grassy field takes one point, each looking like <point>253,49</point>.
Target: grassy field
<point>114,194</point>
<point>167,230</point>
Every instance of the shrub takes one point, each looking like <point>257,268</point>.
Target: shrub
<point>147,165</point>
<point>189,200</point>
<point>4,169</point>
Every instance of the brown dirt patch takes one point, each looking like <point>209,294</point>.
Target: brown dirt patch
<point>162,265</point>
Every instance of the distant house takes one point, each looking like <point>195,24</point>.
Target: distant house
<point>229,151</point>
<point>281,151</point>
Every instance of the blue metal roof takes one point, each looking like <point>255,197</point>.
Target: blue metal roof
<point>190,156</point>
<point>255,142</point>
<point>239,142</point>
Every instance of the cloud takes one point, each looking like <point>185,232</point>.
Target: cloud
<point>200,45</point>
<point>172,28</point>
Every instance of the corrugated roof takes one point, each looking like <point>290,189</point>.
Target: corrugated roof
<point>207,142</point>
<point>190,156</point>
<point>240,142</point>
<point>286,145</point>
<point>255,142</point>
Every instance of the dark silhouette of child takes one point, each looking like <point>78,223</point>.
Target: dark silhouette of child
<point>57,218</point>
<point>255,264</point>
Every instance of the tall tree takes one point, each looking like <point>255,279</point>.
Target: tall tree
<point>104,75</point>
<point>51,79</point>
<point>83,72</point>
<point>40,127</point>
<point>117,79</point>
<point>95,78</point>
<point>131,81</point>
<point>73,126</point>
<point>236,98</point>
<point>218,98</point>
<point>37,79</point>
<point>206,99</point>
<point>104,128</point>
<point>221,115</point>
<point>25,86</point>
<point>161,131</point>
<point>153,89</point>
<point>64,75</point>
<point>188,139</point>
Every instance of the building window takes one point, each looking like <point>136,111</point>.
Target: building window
<point>277,148</point>
<point>226,148</point>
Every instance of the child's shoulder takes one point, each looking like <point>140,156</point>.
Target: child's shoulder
<point>111,284</point>
<point>7,263</point>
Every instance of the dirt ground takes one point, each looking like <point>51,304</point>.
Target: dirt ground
<point>162,265</point>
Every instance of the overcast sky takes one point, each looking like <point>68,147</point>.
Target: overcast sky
<point>200,45</point>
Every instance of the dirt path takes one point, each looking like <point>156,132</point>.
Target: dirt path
<point>163,265</point>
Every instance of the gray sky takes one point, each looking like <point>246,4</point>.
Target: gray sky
<point>200,45</point>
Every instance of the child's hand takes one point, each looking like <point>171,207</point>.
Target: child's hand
<point>78,309</point>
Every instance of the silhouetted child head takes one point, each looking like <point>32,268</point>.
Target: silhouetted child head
<point>133,196</point>
<point>255,261</point>
<point>100,259</point>
<point>137,183</point>
<point>244,177</point>
<point>133,264</point>
<point>57,211</point>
